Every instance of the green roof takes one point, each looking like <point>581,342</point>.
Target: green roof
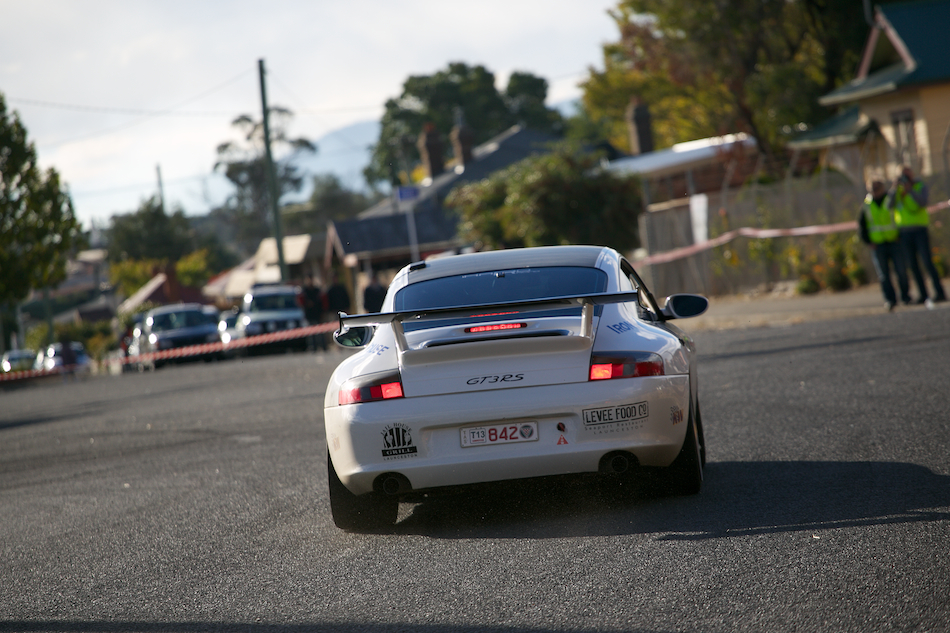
<point>844,128</point>
<point>922,26</point>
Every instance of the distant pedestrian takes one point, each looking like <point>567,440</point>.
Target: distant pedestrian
<point>876,228</point>
<point>373,295</point>
<point>68,356</point>
<point>338,299</point>
<point>313,310</point>
<point>912,219</point>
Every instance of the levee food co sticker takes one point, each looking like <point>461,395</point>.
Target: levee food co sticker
<point>397,442</point>
<point>616,419</point>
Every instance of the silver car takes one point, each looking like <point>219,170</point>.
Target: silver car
<point>269,310</point>
<point>509,365</point>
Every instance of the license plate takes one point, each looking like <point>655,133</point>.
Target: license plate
<point>499,434</point>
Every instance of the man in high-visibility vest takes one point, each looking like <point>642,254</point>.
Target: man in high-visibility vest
<point>911,217</point>
<point>877,229</point>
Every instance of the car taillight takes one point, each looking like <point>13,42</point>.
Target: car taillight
<point>495,327</point>
<point>625,365</point>
<point>371,389</point>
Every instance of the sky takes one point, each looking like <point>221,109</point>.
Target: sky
<point>113,92</point>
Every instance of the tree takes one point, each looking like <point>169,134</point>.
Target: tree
<point>129,275</point>
<point>245,165</point>
<point>459,91</point>
<point>524,97</point>
<point>192,270</point>
<point>649,68</point>
<point>146,241</point>
<point>38,229</point>
<point>559,198</point>
<point>149,233</point>
<point>330,200</point>
<point>755,66</point>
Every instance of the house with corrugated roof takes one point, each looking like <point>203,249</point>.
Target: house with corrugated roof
<point>303,256</point>
<point>393,232</point>
<point>896,110</point>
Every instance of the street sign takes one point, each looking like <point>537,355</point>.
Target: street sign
<point>407,194</point>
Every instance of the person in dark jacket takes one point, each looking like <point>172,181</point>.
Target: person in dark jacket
<point>313,310</point>
<point>373,295</point>
<point>338,299</point>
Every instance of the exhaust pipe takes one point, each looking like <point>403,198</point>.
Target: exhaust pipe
<point>392,484</point>
<point>618,462</point>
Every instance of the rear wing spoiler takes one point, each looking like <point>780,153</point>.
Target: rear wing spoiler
<point>395,319</point>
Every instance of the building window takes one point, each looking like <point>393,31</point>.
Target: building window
<point>905,138</point>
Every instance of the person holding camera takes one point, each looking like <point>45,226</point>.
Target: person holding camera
<point>912,219</point>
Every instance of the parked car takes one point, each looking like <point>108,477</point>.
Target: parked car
<point>227,330</point>
<point>172,327</point>
<point>52,358</point>
<point>507,365</point>
<point>227,325</point>
<point>17,360</point>
<point>271,309</point>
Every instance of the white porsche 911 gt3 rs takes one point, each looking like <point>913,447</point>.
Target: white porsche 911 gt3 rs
<point>507,365</point>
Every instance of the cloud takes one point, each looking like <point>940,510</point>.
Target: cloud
<point>334,63</point>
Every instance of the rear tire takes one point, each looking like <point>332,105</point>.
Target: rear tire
<point>685,475</point>
<point>359,513</point>
<point>699,434</point>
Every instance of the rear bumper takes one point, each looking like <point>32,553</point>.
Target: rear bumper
<point>428,451</point>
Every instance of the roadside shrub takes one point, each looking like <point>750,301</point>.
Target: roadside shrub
<point>807,285</point>
<point>836,263</point>
<point>940,262</point>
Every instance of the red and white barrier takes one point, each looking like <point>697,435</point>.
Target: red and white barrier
<point>240,343</point>
<point>725,238</point>
<point>32,373</point>
<point>192,350</point>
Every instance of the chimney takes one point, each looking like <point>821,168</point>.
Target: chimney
<point>171,287</point>
<point>462,140</point>
<point>430,149</point>
<point>639,127</point>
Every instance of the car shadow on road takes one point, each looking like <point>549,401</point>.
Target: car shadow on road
<point>738,498</point>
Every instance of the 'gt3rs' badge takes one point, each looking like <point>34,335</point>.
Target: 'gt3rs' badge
<point>397,442</point>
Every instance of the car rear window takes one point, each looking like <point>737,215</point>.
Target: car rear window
<point>263,303</point>
<point>500,286</point>
<point>178,320</point>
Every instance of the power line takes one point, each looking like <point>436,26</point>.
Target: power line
<point>153,114</point>
<point>184,179</point>
<point>138,187</point>
<point>109,110</point>
<point>196,113</point>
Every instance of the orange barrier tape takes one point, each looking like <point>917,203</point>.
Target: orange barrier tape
<point>35,373</point>
<point>249,341</point>
<point>192,350</point>
<point>820,229</point>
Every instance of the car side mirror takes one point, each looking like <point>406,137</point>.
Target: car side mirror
<point>353,337</point>
<point>684,306</point>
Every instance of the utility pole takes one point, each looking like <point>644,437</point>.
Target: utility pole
<point>161,190</point>
<point>272,177</point>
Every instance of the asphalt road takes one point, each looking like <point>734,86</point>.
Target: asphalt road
<point>193,499</point>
